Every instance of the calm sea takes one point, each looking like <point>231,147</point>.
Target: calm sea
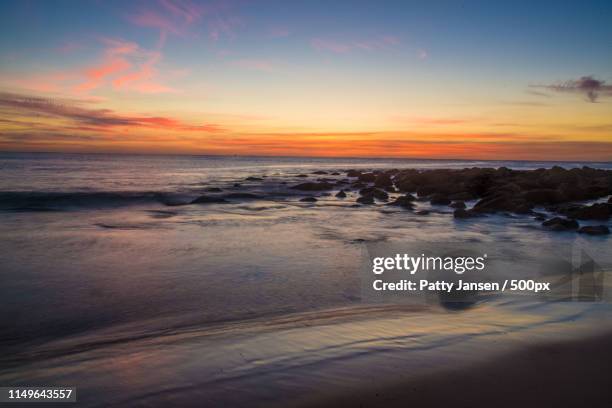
<point>113,283</point>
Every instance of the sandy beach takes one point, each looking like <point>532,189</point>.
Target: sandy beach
<point>555,374</point>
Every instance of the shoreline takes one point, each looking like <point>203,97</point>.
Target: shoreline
<point>566,373</point>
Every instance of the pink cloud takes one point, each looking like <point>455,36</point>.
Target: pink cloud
<point>127,67</point>
<point>343,47</point>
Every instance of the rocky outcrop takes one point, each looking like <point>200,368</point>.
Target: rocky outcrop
<point>463,213</point>
<point>404,202</point>
<point>308,200</point>
<point>368,199</point>
<point>595,230</point>
<point>597,211</point>
<point>209,200</point>
<point>341,194</point>
<point>439,199</point>
<point>560,224</point>
<point>321,186</point>
<point>457,204</point>
<point>367,177</point>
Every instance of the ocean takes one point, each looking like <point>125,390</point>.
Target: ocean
<point>113,282</point>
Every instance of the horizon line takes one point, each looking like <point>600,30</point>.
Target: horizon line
<point>303,157</point>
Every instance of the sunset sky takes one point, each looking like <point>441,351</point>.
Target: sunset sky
<point>456,79</point>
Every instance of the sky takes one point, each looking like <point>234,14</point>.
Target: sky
<point>519,80</point>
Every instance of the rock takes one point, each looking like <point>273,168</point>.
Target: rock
<point>367,177</point>
<point>251,178</point>
<point>597,211</point>
<point>208,200</point>
<point>458,204</point>
<point>302,175</point>
<point>538,216</point>
<point>560,224</point>
<point>237,184</point>
<point>319,172</point>
<point>439,199</point>
<point>335,173</point>
<point>543,196</point>
<point>503,203</point>
<point>462,196</point>
<point>368,199</point>
<point>341,194</point>
<point>376,193</point>
<point>213,190</point>
<point>422,212</point>
<point>322,186</point>
<point>390,189</point>
<point>404,201</point>
<point>463,213</point>
<point>247,196</point>
<point>359,185</point>
<point>353,173</point>
<point>308,200</point>
<point>383,180</point>
<point>595,230</point>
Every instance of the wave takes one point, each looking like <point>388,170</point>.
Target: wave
<point>58,201</point>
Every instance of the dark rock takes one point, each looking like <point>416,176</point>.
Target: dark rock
<point>463,213</point>
<point>359,185</point>
<point>383,180</point>
<point>439,199</point>
<point>341,194</point>
<point>543,196</point>
<point>458,204</point>
<point>251,178</point>
<point>462,196</point>
<point>302,175</point>
<point>308,200</point>
<point>503,203</point>
<point>597,211</point>
<point>366,199</point>
<point>376,193</point>
<point>335,173</point>
<point>213,190</point>
<point>560,224</point>
<point>237,184</point>
<point>390,189</point>
<point>403,201</point>
<point>322,186</point>
<point>353,173</point>
<point>319,172</point>
<point>422,212</point>
<point>367,177</point>
<point>208,200</point>
<point>595,230</point>
<point>247,196</point>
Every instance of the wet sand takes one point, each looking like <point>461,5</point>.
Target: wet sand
<point>561,374</point>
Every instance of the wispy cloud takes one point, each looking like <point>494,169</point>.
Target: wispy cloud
<point>76,113</point>
<point>184,17</point>
<point>343,47</point>
<point>126,66</point>
<point>588,86</point>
